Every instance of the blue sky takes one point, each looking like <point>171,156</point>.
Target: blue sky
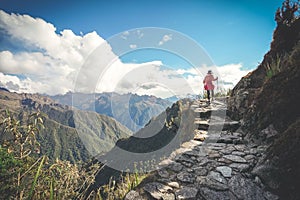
<point>232,32</point>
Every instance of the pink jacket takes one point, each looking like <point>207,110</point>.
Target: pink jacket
<point>209,78</point>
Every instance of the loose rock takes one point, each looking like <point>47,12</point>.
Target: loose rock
<point>157,190</point>
<point>210,194</point>
<point>187,193</point>
<point>245,188</point>
<point>234,158</point>
<point>186,177</point>
<point>225,171</point>
<point>133,195</point>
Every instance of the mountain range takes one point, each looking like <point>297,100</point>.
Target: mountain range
<point>147,147</point>
<point>131,110</point>
<point>69,134</point>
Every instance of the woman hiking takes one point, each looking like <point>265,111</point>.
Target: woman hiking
<point>208,85</point>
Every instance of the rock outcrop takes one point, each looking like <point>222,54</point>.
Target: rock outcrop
<point>220,167</point>
<point>266,102</point>
<point>145,149</point>
<point>257,156</point>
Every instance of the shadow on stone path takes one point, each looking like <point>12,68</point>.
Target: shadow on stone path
<point>216,165</point>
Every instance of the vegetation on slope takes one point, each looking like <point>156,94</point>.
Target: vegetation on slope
<point>267,99</point>
<point>27,174</point>
<point>68,134</point>
<point>160,137</point>
<point>131,110</point>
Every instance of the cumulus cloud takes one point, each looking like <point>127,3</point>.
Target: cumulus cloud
<point>228,75</point>
<point>53,59</point>
<point>231,74</point>
<point>17,84</point>
<point>140,34</point>
<point>165,39</point>
<point>39,34</point>
<point>60,62</point>
<point>125,34</point>
<point>133,46</point>
<point>152,78</point>
<point>13,86</point>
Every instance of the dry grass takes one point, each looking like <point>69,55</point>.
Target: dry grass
<point>24,174</point>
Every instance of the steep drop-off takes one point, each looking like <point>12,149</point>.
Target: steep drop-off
<point>157,140</point>
<point>69,134</point>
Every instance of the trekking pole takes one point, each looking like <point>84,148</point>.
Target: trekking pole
<point>218,85</point>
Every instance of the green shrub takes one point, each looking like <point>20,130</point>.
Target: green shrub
<point>25,174</point>
<point>274,66</point>
<point>9,168</point>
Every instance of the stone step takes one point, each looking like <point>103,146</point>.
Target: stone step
<point>198,110</point>
<point>207,113</point>
<point>212,138</point>
<point>211,166</point>
<point>199,121</point>
<point>200,135</point>
<point>217,126</point>
<point>231,140</point>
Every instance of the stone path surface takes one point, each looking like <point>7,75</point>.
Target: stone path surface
<point>216,165</point>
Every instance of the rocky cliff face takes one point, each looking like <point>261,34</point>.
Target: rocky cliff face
<point>284,45</point>
<point>266,101</point>
<point>69,134</point>
<point>220,167</point>
<point>157,140</point>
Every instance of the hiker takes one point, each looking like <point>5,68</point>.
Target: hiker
<point>208,85</point>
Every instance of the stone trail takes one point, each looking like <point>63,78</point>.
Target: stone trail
<point>216,165</point>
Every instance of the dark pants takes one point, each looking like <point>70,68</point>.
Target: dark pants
<point>208,94</point>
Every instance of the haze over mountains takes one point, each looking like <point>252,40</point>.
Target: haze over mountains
<point>91,127</point>
<point>131,110</point>
<point>69,134</point>
<point>109,138</point>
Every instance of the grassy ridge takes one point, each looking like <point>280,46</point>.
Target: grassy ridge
<point>69,134</point>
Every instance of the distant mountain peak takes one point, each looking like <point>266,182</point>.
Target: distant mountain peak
<point>4,89</point>
<point>69,134</point>
<point>132,110</point>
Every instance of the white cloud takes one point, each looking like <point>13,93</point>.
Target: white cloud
<point>232,73</point>
<point>55,60</point>
<point>228,75</point>
<point>165,39</point>
<point>125,34</point>
<point>133,46</point>
<point>140,34</point>
<point>147,78</point>
<point>34,31</point>
<point>27,85</point>
<point>42,36</point>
